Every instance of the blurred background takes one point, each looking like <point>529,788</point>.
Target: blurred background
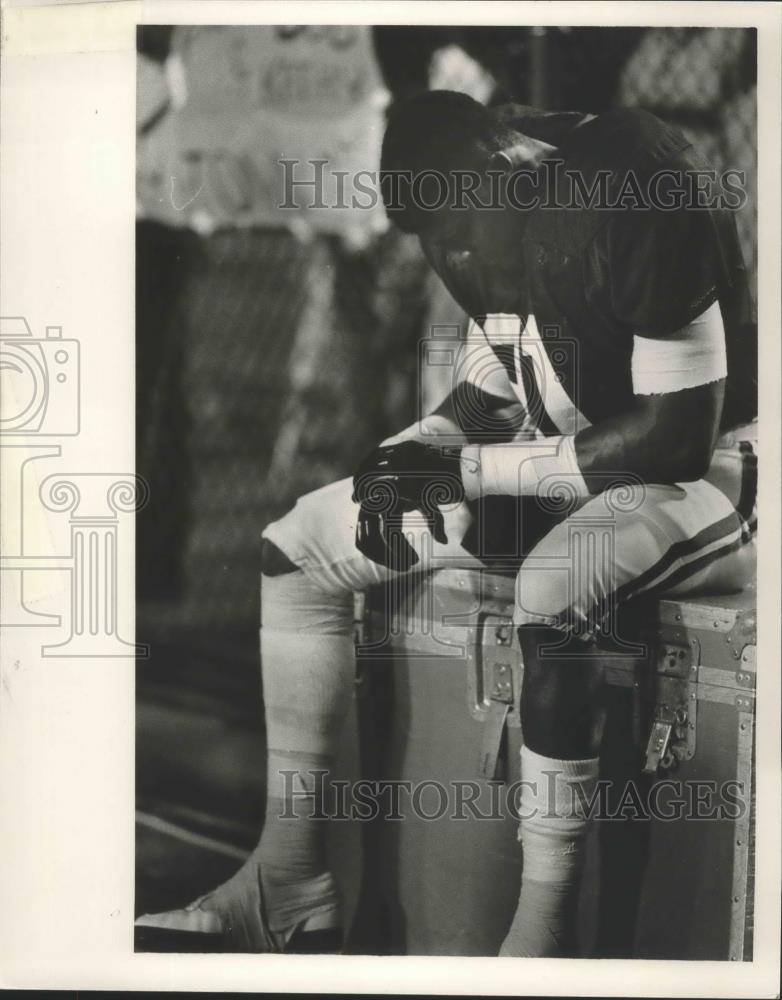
<point>275,347</point>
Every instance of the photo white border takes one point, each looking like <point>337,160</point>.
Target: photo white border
<point>67,726</point>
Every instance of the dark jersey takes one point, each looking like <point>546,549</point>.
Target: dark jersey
<point>596,273</point>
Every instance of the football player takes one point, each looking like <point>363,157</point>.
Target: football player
<point>611,366</point>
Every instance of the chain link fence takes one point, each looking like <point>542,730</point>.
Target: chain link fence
<point>268,363</point>
<point>278,363</point>
<point>704,80</point>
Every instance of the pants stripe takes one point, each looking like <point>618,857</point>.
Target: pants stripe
<point>749,481</point>
<point>717,532</point>
<point>715,541</point>
<point>694,567</point>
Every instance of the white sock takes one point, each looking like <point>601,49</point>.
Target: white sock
<point>307,664</point>
<point>307,684</point>
<point>552,831</point>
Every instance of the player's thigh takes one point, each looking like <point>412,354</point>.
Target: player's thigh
<point>710,550</point>
<point>318,535</point>
<point>650,539</point>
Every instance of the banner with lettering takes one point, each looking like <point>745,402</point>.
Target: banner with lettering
<point>270,125</point>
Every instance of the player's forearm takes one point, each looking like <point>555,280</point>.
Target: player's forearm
<point>664,439</point>
<point>668,435</point>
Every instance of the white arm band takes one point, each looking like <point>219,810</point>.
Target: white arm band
<point>694,355</point>
<point>543,467</point>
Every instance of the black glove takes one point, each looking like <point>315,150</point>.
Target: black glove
<point>397,478</point>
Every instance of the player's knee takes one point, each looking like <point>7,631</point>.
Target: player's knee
<point>569,577</point>
<point>274,562</point>
<point>554,662</point>
<point>541,597</point>
<point>562,708</point>
<point>542,685</point>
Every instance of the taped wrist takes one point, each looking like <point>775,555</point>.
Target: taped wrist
<point>537,468</point>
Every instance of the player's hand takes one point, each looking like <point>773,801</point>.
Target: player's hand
<point>397,478</point>
<point>379,536</point>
